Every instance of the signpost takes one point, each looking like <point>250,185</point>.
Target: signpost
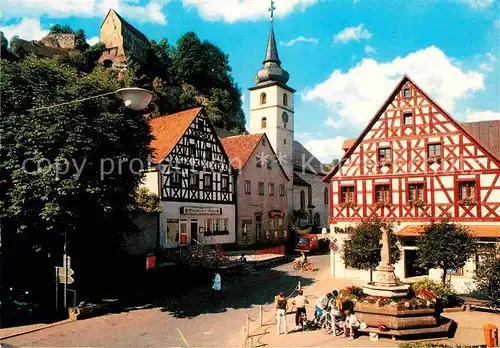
<point>333,248</point>
<point>64,276</point>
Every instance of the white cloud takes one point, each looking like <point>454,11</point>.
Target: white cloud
<point>474,116</point>
<point>151,12</point>
<point>93,40</point>
<point>352,34</point>
<point>299,39</point>
<point>326,149</point>
<point>245,10</point>
<point>479,4</point>
<point>370,50</point>
<point>489,65</point>
<point>27,28</point>
<point>354,97</point>
<point>242,98</point>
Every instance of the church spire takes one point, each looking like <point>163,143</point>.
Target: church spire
<point>271,69</point>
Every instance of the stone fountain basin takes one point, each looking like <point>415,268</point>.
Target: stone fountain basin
<point>396,318</point>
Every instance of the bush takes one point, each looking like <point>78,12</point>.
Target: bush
<point>444,292</point>
<point>487,280</point>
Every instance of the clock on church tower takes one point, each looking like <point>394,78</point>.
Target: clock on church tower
<point>271,105</point>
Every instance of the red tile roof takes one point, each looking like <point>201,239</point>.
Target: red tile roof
<point>487,133</point>
<point>348,143</point>
<point>168,130</point>
<point>239,148</point>
<point>485,231</point>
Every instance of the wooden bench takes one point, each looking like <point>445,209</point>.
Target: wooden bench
<point>443,328</point>
<point>471,303</point>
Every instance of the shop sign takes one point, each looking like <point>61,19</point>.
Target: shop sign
<point>172,221</point>
<point>276,213</point>
<point>201,211</point>
<point>343,230</point>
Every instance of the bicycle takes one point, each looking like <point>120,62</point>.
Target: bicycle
<point>306,266</point>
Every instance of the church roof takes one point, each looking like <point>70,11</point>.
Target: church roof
<point>487,133</point>
<point>304,161</point>
<point>271,69</point>
<point>168,130</point>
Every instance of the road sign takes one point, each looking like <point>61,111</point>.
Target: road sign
<point>333,246</point>
<point>65,277</point>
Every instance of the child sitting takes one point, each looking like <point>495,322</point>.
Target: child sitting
<point>350,325</point>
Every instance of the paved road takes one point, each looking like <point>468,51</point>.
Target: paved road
<point>194,319</point>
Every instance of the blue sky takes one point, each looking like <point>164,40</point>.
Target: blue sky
<point>344,57</point>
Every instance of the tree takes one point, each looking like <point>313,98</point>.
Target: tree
<point>445,245</point>
<point>66,172</point>
<point>362,250</point>
<point>487,277</point>
<point>80,37</point>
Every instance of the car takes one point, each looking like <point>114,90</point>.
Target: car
<point>307,243</point>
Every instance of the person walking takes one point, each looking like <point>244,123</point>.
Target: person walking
<point>217,286</point>
<point>281,308</point>
<point>300,302</point>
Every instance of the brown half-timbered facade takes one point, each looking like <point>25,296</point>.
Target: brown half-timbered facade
<point>414,163</point>
<point>195,180</point>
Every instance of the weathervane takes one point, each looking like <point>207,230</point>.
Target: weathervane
<point>272,8</point>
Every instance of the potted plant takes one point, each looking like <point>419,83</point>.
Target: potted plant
<point>382,204</point>
<point>434,159</point>
<point>468,201</point>
<point>347,204</point>
<point>418,203</point>
<point>384,163</point>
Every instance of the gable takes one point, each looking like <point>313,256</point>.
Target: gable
<point>427,124</point>
<point>304,161</point>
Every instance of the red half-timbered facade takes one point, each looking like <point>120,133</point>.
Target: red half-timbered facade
<point>414,163</point>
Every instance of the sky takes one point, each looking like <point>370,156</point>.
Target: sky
<point>344,56</point>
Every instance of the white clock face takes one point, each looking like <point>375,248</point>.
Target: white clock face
<point>284,116</point>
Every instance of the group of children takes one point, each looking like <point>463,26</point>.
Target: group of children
<point>329,302</point>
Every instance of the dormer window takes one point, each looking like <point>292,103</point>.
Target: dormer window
<point>407,92</point>
<point>263,98</point>
<point>263,122</point>
<point>285,99</point>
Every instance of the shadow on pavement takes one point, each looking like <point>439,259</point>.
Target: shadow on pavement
<point>257,288</point>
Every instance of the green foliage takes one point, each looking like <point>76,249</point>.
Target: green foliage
<point>4,43</point>
<point>444,292</point>
<point>67,193</point>
<point>146,201</point>
<point>80,37</point>
<point>363,249</point>
<point>487,279</point>
<point>445,245</point>
<point>15,47</point>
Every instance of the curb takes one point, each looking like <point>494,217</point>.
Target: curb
<point>37,329</point>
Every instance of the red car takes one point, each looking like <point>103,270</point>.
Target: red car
<point>307,243</point>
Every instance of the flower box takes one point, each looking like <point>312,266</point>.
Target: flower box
<point>384,163</point>
<point>468,201</point>
<point>418,203</point>
<point>434,159</point>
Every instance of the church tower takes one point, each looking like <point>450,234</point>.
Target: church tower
<point>271,105</point>
<point>272,112</point>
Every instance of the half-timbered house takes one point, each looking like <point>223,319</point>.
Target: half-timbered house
<point>414,163</point>
<point>261,189</point>
<point>195,180</point>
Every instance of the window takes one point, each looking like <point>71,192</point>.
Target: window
<point>261,189</point>
<point>285,99</point>
<point>384,154</point>
<point>284,141</point>
<point>271,225</point>
<point>224,183</point>
<point>433,150</point>
<point>467,190</point>
<point>208,154</point>
<point>269,164</point>
<point>407,93</point>
<point>302,200</point>
<point>217,225</point>
<point>193,180</point>
<point>282,190</point>
<point>263,122</point>
<point>382,193</point>
<point>325,196</point>
<point>192,150</point>
<point>263,98</point>
<point>407,118</point>
<point>208,225</point>
<point>248,187</point>
<point>259,161</point>
<point>271,189</point>
<point>225,224</point>
<point>175,178</point>
<point>415,191</point>
<point>200,125</point>
<point>347,194</point>
<point>207,181</point>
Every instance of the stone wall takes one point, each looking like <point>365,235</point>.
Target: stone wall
<point>66,41</point>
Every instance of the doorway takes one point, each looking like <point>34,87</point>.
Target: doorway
<point>194,231</point>
<point>183,232</point>
<point>411,268</point>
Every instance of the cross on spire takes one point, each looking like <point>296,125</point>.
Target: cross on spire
<point>271,9</point>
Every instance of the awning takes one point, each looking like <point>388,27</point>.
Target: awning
<point>276,213</point>
<point>482,231</point>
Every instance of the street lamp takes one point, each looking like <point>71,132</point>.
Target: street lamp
<point>134,98</point>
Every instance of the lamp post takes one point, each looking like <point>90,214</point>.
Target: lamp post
<point>134,98</point>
